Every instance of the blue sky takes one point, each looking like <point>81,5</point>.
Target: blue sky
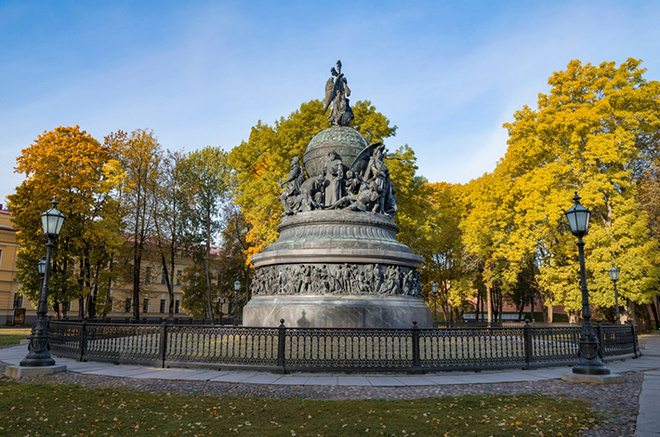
<point>447,73</point>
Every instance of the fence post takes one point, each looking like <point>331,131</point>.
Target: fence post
<point>83,339</point>
<point>415,349</point>
<point>163,343</point>
<point>281,339</point>
<point>529,350</point>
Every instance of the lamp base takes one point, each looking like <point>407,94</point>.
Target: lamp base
<point>592,379</point>
<point>587,369</point>
<point>38,355</point>
<point>38,361</point>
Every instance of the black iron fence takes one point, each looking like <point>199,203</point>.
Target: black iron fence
<point>284,350</point>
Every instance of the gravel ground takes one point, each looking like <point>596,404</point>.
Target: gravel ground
<point>618,402</point>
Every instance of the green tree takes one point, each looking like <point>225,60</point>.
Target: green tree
<point>206,187</point>
<point>235,247</point>
<point>139,157</point>
<point>196,290</point>
<point>170,219</point>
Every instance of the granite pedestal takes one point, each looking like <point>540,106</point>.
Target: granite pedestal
<point>337,311</point>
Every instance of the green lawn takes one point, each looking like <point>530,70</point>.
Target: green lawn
<point>11,339</point>
<point>14,330</point>
<point>38,409</point>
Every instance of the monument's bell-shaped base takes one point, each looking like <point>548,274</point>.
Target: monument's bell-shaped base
<point>337,269</point>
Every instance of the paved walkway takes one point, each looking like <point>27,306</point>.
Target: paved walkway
<point>648,420</point>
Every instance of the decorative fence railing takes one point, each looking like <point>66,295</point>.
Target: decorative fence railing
<point>284,350</point>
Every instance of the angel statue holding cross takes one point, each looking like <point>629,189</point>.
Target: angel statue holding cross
<point>336,93</point>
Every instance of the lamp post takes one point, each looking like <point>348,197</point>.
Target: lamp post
<point>614,276</point>
<point>589,362</point>
<point>41,267</point>
<point>237,286</point>
<point>434,287</point>
<point>38,355</point>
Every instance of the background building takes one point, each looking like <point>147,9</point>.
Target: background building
<point>154,304</point>
<point>9,299</point>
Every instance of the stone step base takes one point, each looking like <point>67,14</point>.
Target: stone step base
<point>327,311</point>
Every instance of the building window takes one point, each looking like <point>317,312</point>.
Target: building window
<point>178,277</point>
<point>147,277</point>
<point>18,301</point>
<point>67,306</point>
<point>127,306</point>
<point>176,306</point>
<point>162,306</point>
<point>0,256</point>
<point>145,304</point>
<point>163,277</point>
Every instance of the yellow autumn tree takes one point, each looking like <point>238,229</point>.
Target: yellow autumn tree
<point>68,164</point>
<point>587,135</point>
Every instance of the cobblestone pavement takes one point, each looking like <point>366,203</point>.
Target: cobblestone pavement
<point>619,403</point>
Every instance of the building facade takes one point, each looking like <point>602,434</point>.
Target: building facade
<point>154,299</point>
<point>9,298</point>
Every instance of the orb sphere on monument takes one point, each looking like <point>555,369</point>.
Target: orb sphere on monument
<point>346,141</point>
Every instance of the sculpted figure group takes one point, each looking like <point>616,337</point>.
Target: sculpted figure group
<point>337,279</point>
<point>339,187</point>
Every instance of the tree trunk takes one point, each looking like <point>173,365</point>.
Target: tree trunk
<point>170,288</point>
<point>168,278</point>
<point>207,268</point>
<point>654,310</point>
<point>489,303</point>
<point>136,290</point>
<point>478,306</point>
<point>631,310</point>
<point>81,287</point>
<point>521,307</point>
<point>108,297</point>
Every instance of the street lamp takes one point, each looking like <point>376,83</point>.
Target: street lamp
<point>38,355</point>
<point>41,267</point>
<point>434,287</point>
<point>614,276</point>
<point>237,286</point>
<point>589,363</point>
